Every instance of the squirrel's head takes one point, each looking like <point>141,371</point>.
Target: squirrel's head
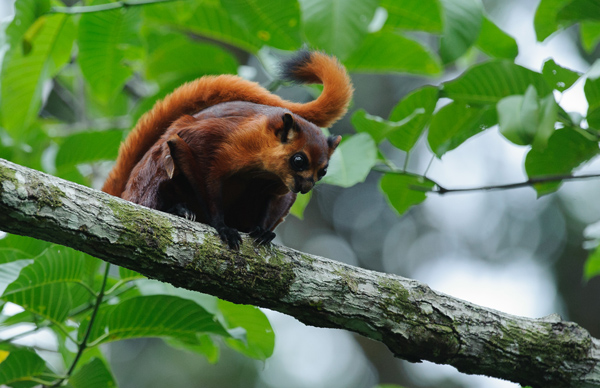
<point>302,154</point>
<point>276,141</point>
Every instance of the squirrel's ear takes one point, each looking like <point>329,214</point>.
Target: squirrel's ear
<point>169,166</point>
<point>288,132</point>
<point>333,141</point>
<point>168,161</point>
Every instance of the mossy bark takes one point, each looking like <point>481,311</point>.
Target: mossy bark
<point>415,322</point>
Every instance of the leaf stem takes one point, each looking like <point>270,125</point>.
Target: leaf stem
<point>64,330</point>
<point>83,344</point>
<point>108,297</point>
<point>36,380</point>
<point>99,339</point>
<point>87,287</point>
<point>406,161</point>
<point>116,285</point>
<point>429,165</point>
<point>104,7</point>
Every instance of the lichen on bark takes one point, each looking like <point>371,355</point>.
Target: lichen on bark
<point>415,322</point>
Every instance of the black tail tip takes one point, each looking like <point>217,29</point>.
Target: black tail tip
<point>291,69</point>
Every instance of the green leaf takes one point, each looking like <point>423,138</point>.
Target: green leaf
<point>375,126</point>
<point>23,75</point>
<point>51,301</point>
<point>380,129</point>
<point>590,35</point>
<point>592,265</point>
<point>490,82</point>
<point>12,261</point>
<point>20,365</point>
<point>27,13</point>
<point>337,26</point>
<point>22,317</point>
<point>94,374</point>
<point>152,316</point>
<point>42,286</point>
<point>127,274</point>
<point>9,255</point>
<point>558,77</point>
<point>86,147</point>
<point>404,190</point>
<point>174,13</point>
<point>527,119</point>
<point>495,42</point>
<point>455,123</point>
<point>578,10</point>
<point>177,59</point>
<point>386,51</point>
<point>204,346</point>
<point>274,22</point>
<point>31,246</point>
<point>545,20</point>
<point>567,149</point>
<point>528,112</point>
<point>213,21</point>
<point>548,115</point>
<point>300,204</point>
<point>414,15</point>
<point>259,340</point>
<point>419,105</point>
<point>352,161</point>
<point>463,19</point>
<point>105,41</point>
<point>592,94</point>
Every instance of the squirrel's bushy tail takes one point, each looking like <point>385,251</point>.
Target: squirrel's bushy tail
<point>192,97</point>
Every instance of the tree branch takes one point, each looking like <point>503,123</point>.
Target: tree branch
<point>415,322</point>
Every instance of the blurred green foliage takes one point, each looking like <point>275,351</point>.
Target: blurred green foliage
<point>74,80</point>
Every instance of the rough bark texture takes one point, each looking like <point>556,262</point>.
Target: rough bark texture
<point>415,322</point>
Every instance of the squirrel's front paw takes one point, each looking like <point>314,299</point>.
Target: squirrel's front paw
<point>230,236</point>
<point>262,236</point>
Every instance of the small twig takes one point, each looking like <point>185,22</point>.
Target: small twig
<point>83,344</point>
<point>104,7</point>
<point>529,182</point>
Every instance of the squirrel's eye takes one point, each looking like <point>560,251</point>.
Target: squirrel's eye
<point>299,162</point>
<point>322,172</point>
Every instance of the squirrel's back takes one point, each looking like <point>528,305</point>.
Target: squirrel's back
<point>192,97</point>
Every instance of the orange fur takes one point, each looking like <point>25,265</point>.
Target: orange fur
<point>208,91</point>
<point>226,152</point>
